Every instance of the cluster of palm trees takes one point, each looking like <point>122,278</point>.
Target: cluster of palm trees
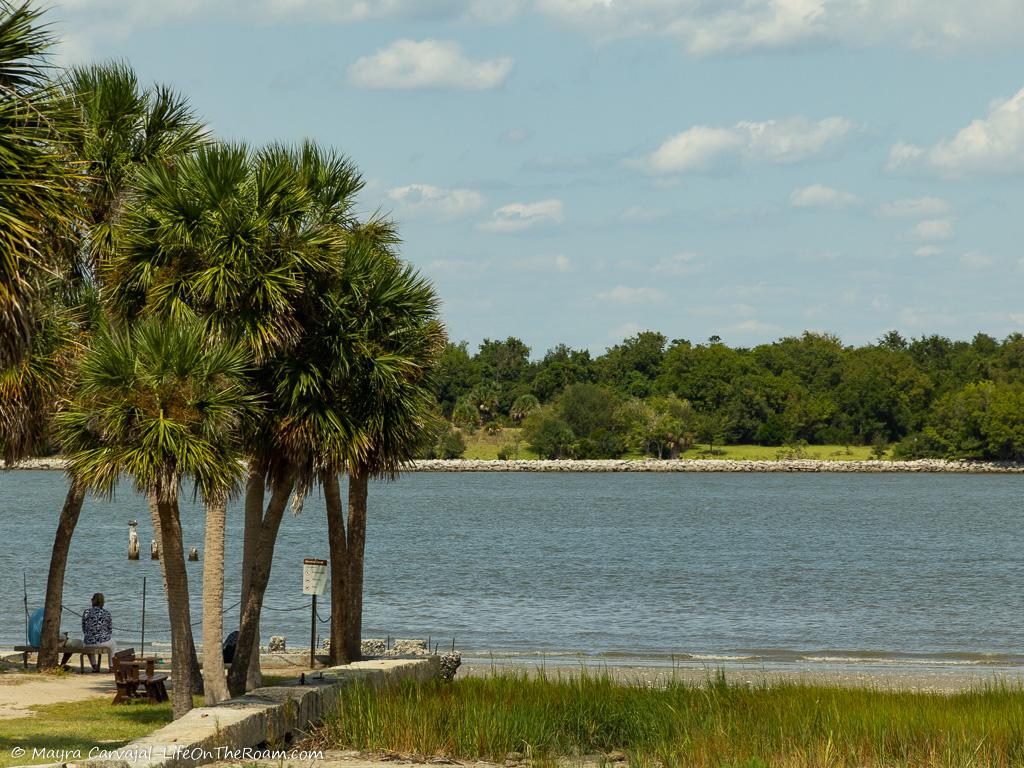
<point>184,313</point>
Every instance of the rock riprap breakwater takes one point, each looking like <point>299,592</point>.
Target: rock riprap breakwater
<point>713,465</point>
<point>666,465</point>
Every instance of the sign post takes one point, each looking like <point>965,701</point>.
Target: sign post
<point>314,582</point>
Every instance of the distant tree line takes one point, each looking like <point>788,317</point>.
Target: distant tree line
<point>929,397</point>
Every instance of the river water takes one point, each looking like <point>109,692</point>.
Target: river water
<point>764,568</point>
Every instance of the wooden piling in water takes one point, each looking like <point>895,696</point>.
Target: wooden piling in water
<point>133,540</point>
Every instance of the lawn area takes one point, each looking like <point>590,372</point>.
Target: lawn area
<point>716,724</point>
<point>480,445</point>
<point>771,452</point>
<point>79,725</point>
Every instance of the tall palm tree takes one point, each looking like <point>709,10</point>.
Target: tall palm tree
<point>35,179</point>
<point>388,391</point>
<point>246,241</point>
<point>160,404</point>
<point>356,392</point>
<point>115,127</point>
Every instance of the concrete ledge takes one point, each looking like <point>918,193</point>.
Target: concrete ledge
<point>272,716</point>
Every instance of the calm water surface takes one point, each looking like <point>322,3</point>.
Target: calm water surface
<point>759,566</point>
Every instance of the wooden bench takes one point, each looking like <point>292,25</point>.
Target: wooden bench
<point>128,679</point>
<point>81,650</point>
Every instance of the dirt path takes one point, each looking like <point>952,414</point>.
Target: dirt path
<point>21,690</point>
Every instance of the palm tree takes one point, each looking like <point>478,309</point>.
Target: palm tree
<point>160,404</point>
<point>115,128</point>
<point>392,343</point>
<point>35,180</point>
<point>523,406</point>
<point>247,241</point>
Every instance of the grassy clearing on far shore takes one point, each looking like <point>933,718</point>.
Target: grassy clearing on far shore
<point>80,725</point>
<point>480,445</point>
<point>717,724</point>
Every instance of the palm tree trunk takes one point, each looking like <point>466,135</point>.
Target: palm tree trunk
<point>358,480</point>
<point>172,556</point>
<point>48,640</point>
<point>193,658</point>
<point>252,606</point>
<point>339,566</point>
<point>255,491</point>
<point>215,687</point>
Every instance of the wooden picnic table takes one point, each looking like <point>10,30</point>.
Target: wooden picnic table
<point>128,678</point>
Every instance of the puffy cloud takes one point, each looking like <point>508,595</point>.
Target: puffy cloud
<point>409,64</point>
<point>927,251</point>
<point>517,217</point>
<point>703,148</point>
<point>934,229</point>
<point>448,203</point>
<point>627,295</point>
<point>727,26</point>
<point>914,208</point>
<point>702,27</point>
<point>819,196</point>
<point>993,144</point>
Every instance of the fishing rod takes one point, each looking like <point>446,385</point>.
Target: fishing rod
<point>24,584</point>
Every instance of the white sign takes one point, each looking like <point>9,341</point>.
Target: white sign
<point>314,576</point>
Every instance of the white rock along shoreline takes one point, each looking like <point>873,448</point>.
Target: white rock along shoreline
<point>665,465</point>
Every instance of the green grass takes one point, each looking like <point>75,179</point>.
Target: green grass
<point>704,726</point>
<point>771,452</point>
<point>480,445</point>
<point>79,725</point>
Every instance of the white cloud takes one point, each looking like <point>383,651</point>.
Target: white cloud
<point>976,260</point>
<point>914,208</point>
<point>993,144</point>
<point>88,26</point>
<point>678,264</point>
<point>934,229</point>
<point>702,27</point>
<point>702,148</point>
<point>628,295</point>
<point>447,203</point>
<point>517,217</point>
<point>927,251</point>
<point>819,196</point>
<point>727,26</point>
<point>411,64</point>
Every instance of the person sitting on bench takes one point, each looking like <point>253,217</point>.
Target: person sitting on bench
<point>97,626</point>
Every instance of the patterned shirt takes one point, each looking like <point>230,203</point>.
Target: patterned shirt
<point>96,626</point>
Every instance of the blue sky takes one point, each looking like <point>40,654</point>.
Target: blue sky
<point>579,170</point>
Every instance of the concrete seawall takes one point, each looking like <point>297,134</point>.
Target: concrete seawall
<point>273,718</point>
<point>680,465</point>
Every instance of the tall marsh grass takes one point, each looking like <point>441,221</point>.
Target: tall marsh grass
<point>717,724</point>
